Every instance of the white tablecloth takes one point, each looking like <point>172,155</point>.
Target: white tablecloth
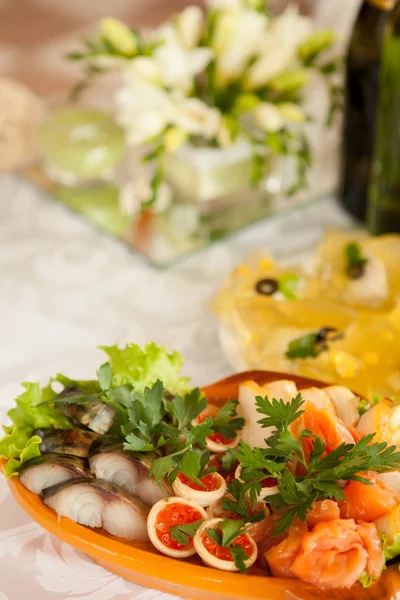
<point>65,289</point>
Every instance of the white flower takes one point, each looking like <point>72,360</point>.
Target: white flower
<point>221,4</point>
<point>119,36</point>
<point>268,116</point>
<point>291,112</point>
<point>143,108</point>
<point>146,68</point>
<point>195,117</point>
<point>237,38</point>
<point>279,48</point>
<point>138,191</point>
<point>189,23</point>
<point>177,64</point>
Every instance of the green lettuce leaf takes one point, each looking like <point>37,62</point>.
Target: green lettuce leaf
<point>20,444</point>
<point>366,580</point>
<point>391,550</point>
<point>142,367</point>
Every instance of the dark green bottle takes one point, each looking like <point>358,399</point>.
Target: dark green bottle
<point>384,194</point>
<point>361,103</point>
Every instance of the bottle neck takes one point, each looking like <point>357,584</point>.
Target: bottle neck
<point>382,4</point>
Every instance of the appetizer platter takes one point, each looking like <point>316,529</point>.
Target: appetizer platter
<point>258,484</point>
<point>337,320</point>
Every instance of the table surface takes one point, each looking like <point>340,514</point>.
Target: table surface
<point>65,289</point>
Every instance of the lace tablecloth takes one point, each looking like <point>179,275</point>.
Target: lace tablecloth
<point>65,289</point>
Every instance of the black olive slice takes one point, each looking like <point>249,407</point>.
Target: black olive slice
<point>324,332</point>
<point>268,287</point>
<point>356,271</point>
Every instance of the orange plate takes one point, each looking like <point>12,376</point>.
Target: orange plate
<point>142,564</point>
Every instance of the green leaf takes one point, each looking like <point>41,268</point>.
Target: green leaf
<point>137,444</point>
<point>363,407</point>
<point>199,433</point>
<point>142,367</point>
<point>304,347</point>
<point>19,447</point>
<point>287,285</point>
<point>190,466</point>
<point>20,444</point>
<point>391,550</point>
<point>278,413</point>
<point>187,408</point>
<point>228,460</point>
<point>104,375</point>
<point>239,557</point>
<point>286,520</point>
<point>160,467</point>
<point>184,533</point>
<point>314,45</point>
<point>215,535</point>
<point>152,401</point>
<point>354,257</point>
<point>226,422</point>
<point>231,529</point>
<point>290,81</point>
<point>85,386</point>
<point>365,580</point>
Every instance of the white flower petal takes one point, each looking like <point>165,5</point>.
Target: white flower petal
<point>218,4</point>
<point>146,68</point>
<point>238,37</point>
<point>164,198</point>
<point>177,64</point>
<point>142,108</point>
<point>268,116</point>
<point>189,23</point>
<point>195,117</point>
<point>132,195</point>
<point>279,46</point>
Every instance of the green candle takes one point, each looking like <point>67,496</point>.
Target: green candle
<point>80,144</point>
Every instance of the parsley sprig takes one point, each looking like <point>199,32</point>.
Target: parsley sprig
<point>156,421</point>
<point>185,532</point>
<point>323,470</point>
<point>227,531</point>
<point>239,504</point>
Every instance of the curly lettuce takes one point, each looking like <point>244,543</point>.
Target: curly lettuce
<point>391,550</point>
<point>20,443</point>
<point>132,367</point>
<point>142,367</point>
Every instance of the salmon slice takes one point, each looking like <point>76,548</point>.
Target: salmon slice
<point>368,502</point>
<point>269,539</point>
<point>281,556</point>
<point>323,510</point>
<point>373,545</point>
<point>331,556</point>
<point>323,424</point>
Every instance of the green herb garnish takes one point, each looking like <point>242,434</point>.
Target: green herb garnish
<point>239,505</point>
<point>228,531</point>
<point>185,532</point>
<point>323,471</point>
<point>365,580</point>
<point>287,285</point>
<point>355,260</point>
<point>363,407</point>
<point>304,347</point>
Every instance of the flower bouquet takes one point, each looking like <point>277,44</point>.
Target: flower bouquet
<point>210,99</point>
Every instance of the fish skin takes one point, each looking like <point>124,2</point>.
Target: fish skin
<point>73,442</point>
